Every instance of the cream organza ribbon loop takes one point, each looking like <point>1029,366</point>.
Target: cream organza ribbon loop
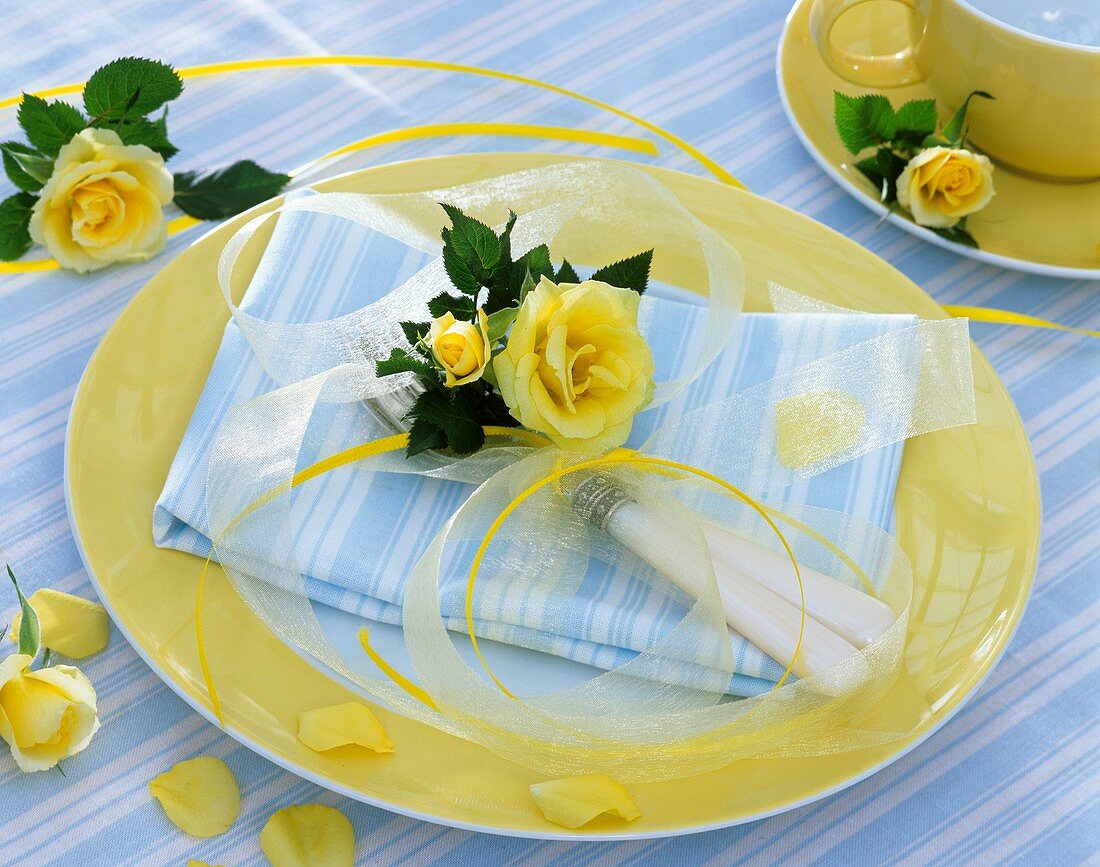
<point>587,212</point>
<point>664,714</point>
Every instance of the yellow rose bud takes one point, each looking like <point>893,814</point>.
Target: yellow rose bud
<point>942,185</point>
<point>103,203</point>
<point>461,348</point>
<point>45,715</point>
<point>575,366</point>
<point>70,625</point>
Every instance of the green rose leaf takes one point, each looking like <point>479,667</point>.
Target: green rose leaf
<point>30,637</point>
<point>226,192</point>
<point>534,264</point>
<point>954,133</point>
<point>401,362</point>
<point>462,308</point>
<point>462,278</point>
<point>455,414</point>
<point>630,273</point>
<point>915,120</point>
<point>863,121</point>
<point>49,125</point>
<point>25,166</point>
<point>15,214</point>
<point>475,243</point>
<point>413,331</point>
<point>151,133</point>
<point>500,322</point>
<point>882,170</point>
<point>566,273</point>
<point>425,435</point>
<point>959,234</point>
<point>129,88</point>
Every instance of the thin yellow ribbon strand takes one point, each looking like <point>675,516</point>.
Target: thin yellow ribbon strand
<point>363,451</point>
<point>1010,317</point>
<point>234,66</point>
<point>623,456</point>
<point>438,130</point>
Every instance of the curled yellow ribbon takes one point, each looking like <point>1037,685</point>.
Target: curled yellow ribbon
<point>396,442</point>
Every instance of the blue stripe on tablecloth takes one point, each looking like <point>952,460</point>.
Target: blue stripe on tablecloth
<point>1021,750</point>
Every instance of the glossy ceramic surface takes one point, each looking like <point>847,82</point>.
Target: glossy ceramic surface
<point>967,514</point>
<point>1042,226</point>
<point>1046,117</point>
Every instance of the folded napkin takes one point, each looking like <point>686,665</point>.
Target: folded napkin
<point>317,267</point>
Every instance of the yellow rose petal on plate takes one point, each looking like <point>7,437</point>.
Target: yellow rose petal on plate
<point>70,625</point>
<point>199,795</point>
<point>340,725</point>
<point>194,862</point>
<point>309,835</point>
<point>576,801</point>
<point>815,425</point>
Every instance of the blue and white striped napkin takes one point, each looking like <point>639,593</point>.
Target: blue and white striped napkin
<point>317,267</point>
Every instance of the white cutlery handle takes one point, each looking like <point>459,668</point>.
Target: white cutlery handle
<point>856,616</point>
<point>764,618</point>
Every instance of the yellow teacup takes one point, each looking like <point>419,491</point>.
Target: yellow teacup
<point>1046,117</point>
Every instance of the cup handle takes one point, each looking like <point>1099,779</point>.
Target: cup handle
<point>877,70</point>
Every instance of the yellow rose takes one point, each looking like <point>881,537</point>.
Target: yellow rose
<point>941,185</point>
<point>45,715</point>
<point>461,348</point>
<point>103,202</point>
<point>575,366</point>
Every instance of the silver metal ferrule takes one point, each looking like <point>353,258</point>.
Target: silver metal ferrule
<point>597,498</point>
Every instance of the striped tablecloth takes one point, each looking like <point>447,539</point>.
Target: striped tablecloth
<point>1013,778</point>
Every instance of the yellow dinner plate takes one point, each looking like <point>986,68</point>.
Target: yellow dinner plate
<point>1034,225</point>
<point>967,514</point>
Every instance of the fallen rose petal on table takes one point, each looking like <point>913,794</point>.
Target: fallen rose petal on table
<point>340,725</point>
<point>575,801</point>
<point>70,625</point>
<point>308,835</point>
<point>200,796</point>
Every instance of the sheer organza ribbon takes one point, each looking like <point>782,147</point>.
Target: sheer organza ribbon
<point>665,713</point>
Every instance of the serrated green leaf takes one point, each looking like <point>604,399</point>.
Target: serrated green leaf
<point>15,214</point>
<point>424,435</point>
<point>413,331</point>
<point>30,637</point>
<point>527,287</point>
<point>882,170</point>
<point>151,133</point>
<point>25,166</point>
<point>863,121</point>
<point>630,273</point>
<point>226,192</point>
<point>474,242</point>
<point>500,322</point>
<point>958,234</point>
<point>455,414</point>
<point>462,278</point>
<point>954,132</point>
<point>566,273</point>
<point>506,239</point>
<point>49,125</point>
<point>401,362</point>
<point>462,308</point>
<point>129,88</point>
<point>915,120</point>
